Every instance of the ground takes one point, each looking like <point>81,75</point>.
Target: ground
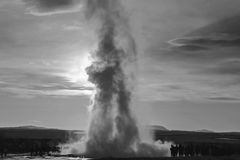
<point>80,158</point>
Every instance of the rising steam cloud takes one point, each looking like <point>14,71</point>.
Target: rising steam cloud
<point>112,129</point>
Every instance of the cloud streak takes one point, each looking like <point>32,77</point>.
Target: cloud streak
<point>222,33</point>
<point>32,83</point>
<point>227,67</point>
<point>224,98</point>
<point>206,60</point>
<point>52,7</point>
<point>204,42</point>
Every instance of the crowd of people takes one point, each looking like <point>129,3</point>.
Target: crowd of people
<point>204,149</point>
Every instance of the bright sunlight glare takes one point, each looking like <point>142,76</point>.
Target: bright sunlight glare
<point>77,73</point>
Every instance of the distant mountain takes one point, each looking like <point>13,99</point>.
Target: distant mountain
<point>159,128</point>
<point>204,131</point>
<point>30,127</point>
<point>27,127</point>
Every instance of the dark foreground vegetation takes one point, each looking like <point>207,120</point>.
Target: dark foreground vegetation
<point>35,147</point>
<point>199,144</point>
<point>186,145</point>
<point>204,149</point>
<point>34,141</point>
<point>181,158</point>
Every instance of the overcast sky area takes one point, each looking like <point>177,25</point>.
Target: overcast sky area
<point>188,63</point>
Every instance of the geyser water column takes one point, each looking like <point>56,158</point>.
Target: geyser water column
<point>112,129</point>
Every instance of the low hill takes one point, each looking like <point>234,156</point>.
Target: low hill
<point>33,132</point>
<point>161,128</point>
<point>204,131</point>
<point>160,132</point>
<point>30,127</point>
<point>197,137</point>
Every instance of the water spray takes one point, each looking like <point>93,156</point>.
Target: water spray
<point>112,129</point>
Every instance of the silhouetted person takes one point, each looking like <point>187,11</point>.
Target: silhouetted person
<point>174,150</point>
<point>180,150</point>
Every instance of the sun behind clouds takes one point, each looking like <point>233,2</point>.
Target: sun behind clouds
<point>77,71</point>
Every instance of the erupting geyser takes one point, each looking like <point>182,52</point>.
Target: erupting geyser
<point>112,129</point>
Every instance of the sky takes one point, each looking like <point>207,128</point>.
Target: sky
<point>188,63</point>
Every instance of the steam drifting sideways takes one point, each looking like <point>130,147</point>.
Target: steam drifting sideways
<point>112,130</point>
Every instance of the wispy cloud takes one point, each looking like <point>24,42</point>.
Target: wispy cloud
<point>205,42</point>
<point>75,26</point>
<point>224,98</point>
<point>228,67</point>
<point>31,93</point>
<point>223,33</point>
<point>51,7</point>
<point>27,83</point>
<point>205,61</point>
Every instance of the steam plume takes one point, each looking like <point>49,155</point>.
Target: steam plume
<point>112,129</point>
